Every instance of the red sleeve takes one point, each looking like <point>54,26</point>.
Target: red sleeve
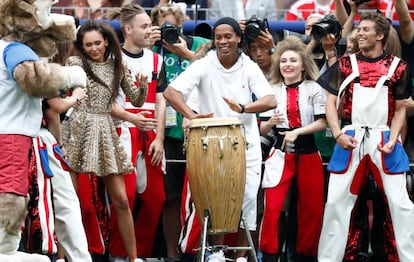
<point>292,17</point>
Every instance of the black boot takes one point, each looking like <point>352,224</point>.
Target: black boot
<point>302,258</point>
<point>188,258</point>
<point>269,257</point>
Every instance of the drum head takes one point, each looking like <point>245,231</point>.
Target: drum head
<point>214,121</point>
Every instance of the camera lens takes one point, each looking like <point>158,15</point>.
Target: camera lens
<point>170,35</point>
<point>169,32</point>
<point>252,30</point>
<point>328,25</point>
<point>320,30</point>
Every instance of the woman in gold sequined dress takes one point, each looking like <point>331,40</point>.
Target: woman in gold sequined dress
<point>92,145</point>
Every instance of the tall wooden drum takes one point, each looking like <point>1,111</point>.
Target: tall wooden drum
<point>216,163</point>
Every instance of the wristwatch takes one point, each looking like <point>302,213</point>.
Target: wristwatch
<point>242,108</point>
<point>272,50</point>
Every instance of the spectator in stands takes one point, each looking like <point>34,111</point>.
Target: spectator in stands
<point>94,9</point>
<point>387,8</point>
<point>406,33</point>
<point>261,49</point>
<point>188,6</point>
<point>242,9</point>
<point>300,10</point>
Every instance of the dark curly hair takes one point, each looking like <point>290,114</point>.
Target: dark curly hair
<point>113,50</point>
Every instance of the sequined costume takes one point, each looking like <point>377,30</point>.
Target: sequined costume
<point>89,136</point>
<point>367,102</point>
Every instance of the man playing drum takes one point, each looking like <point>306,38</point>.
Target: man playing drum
<point>226,79</point>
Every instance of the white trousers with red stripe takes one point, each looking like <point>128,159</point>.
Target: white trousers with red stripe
<point>68,222</point>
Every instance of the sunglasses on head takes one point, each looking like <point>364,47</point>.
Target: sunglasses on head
<point>169,8</point>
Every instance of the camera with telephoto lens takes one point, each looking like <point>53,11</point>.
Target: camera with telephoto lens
<point>327,25</point>
<point>253,27</point>
<point>170,32</point>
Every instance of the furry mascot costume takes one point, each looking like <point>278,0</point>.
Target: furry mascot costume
<point>28,31</point>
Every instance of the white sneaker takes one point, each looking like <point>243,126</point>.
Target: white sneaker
<point>217,257</point>
<point>26,257</point>
<point>241,259</point>
<point>138,259</point>
<point>118,259</point>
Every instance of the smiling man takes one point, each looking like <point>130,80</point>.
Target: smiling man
<point>370,88</point>
<point>225,79</point>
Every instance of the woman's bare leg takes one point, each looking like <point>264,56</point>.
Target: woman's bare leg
<point>116,188</point>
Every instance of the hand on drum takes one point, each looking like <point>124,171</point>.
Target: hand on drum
<point>206,115</point>
<point>185,125</point>
<point>186,121</point>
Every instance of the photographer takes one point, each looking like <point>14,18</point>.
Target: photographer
<point>324,32</point>
<point>260,42</point>
<point>177,50</point>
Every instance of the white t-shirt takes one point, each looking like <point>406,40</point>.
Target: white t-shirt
<point>214,82</point>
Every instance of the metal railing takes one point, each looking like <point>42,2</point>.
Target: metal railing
<point>203,13</point>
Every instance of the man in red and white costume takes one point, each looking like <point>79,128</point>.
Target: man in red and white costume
<point>370,88</point>
<point>142,133</point>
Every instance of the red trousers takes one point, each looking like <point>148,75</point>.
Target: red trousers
<point>308,170</point>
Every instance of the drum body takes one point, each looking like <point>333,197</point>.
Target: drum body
<point>216,163</point>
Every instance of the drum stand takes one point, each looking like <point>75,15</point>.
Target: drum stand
<point>214,248</point>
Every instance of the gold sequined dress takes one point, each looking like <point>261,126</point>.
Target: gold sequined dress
<point>89,137</point>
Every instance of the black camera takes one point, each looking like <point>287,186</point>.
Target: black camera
<point>170,32</point>
<point>253,27</point>
<point>327,25</point>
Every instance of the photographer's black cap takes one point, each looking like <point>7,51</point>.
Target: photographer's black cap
<point>228,21</point>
